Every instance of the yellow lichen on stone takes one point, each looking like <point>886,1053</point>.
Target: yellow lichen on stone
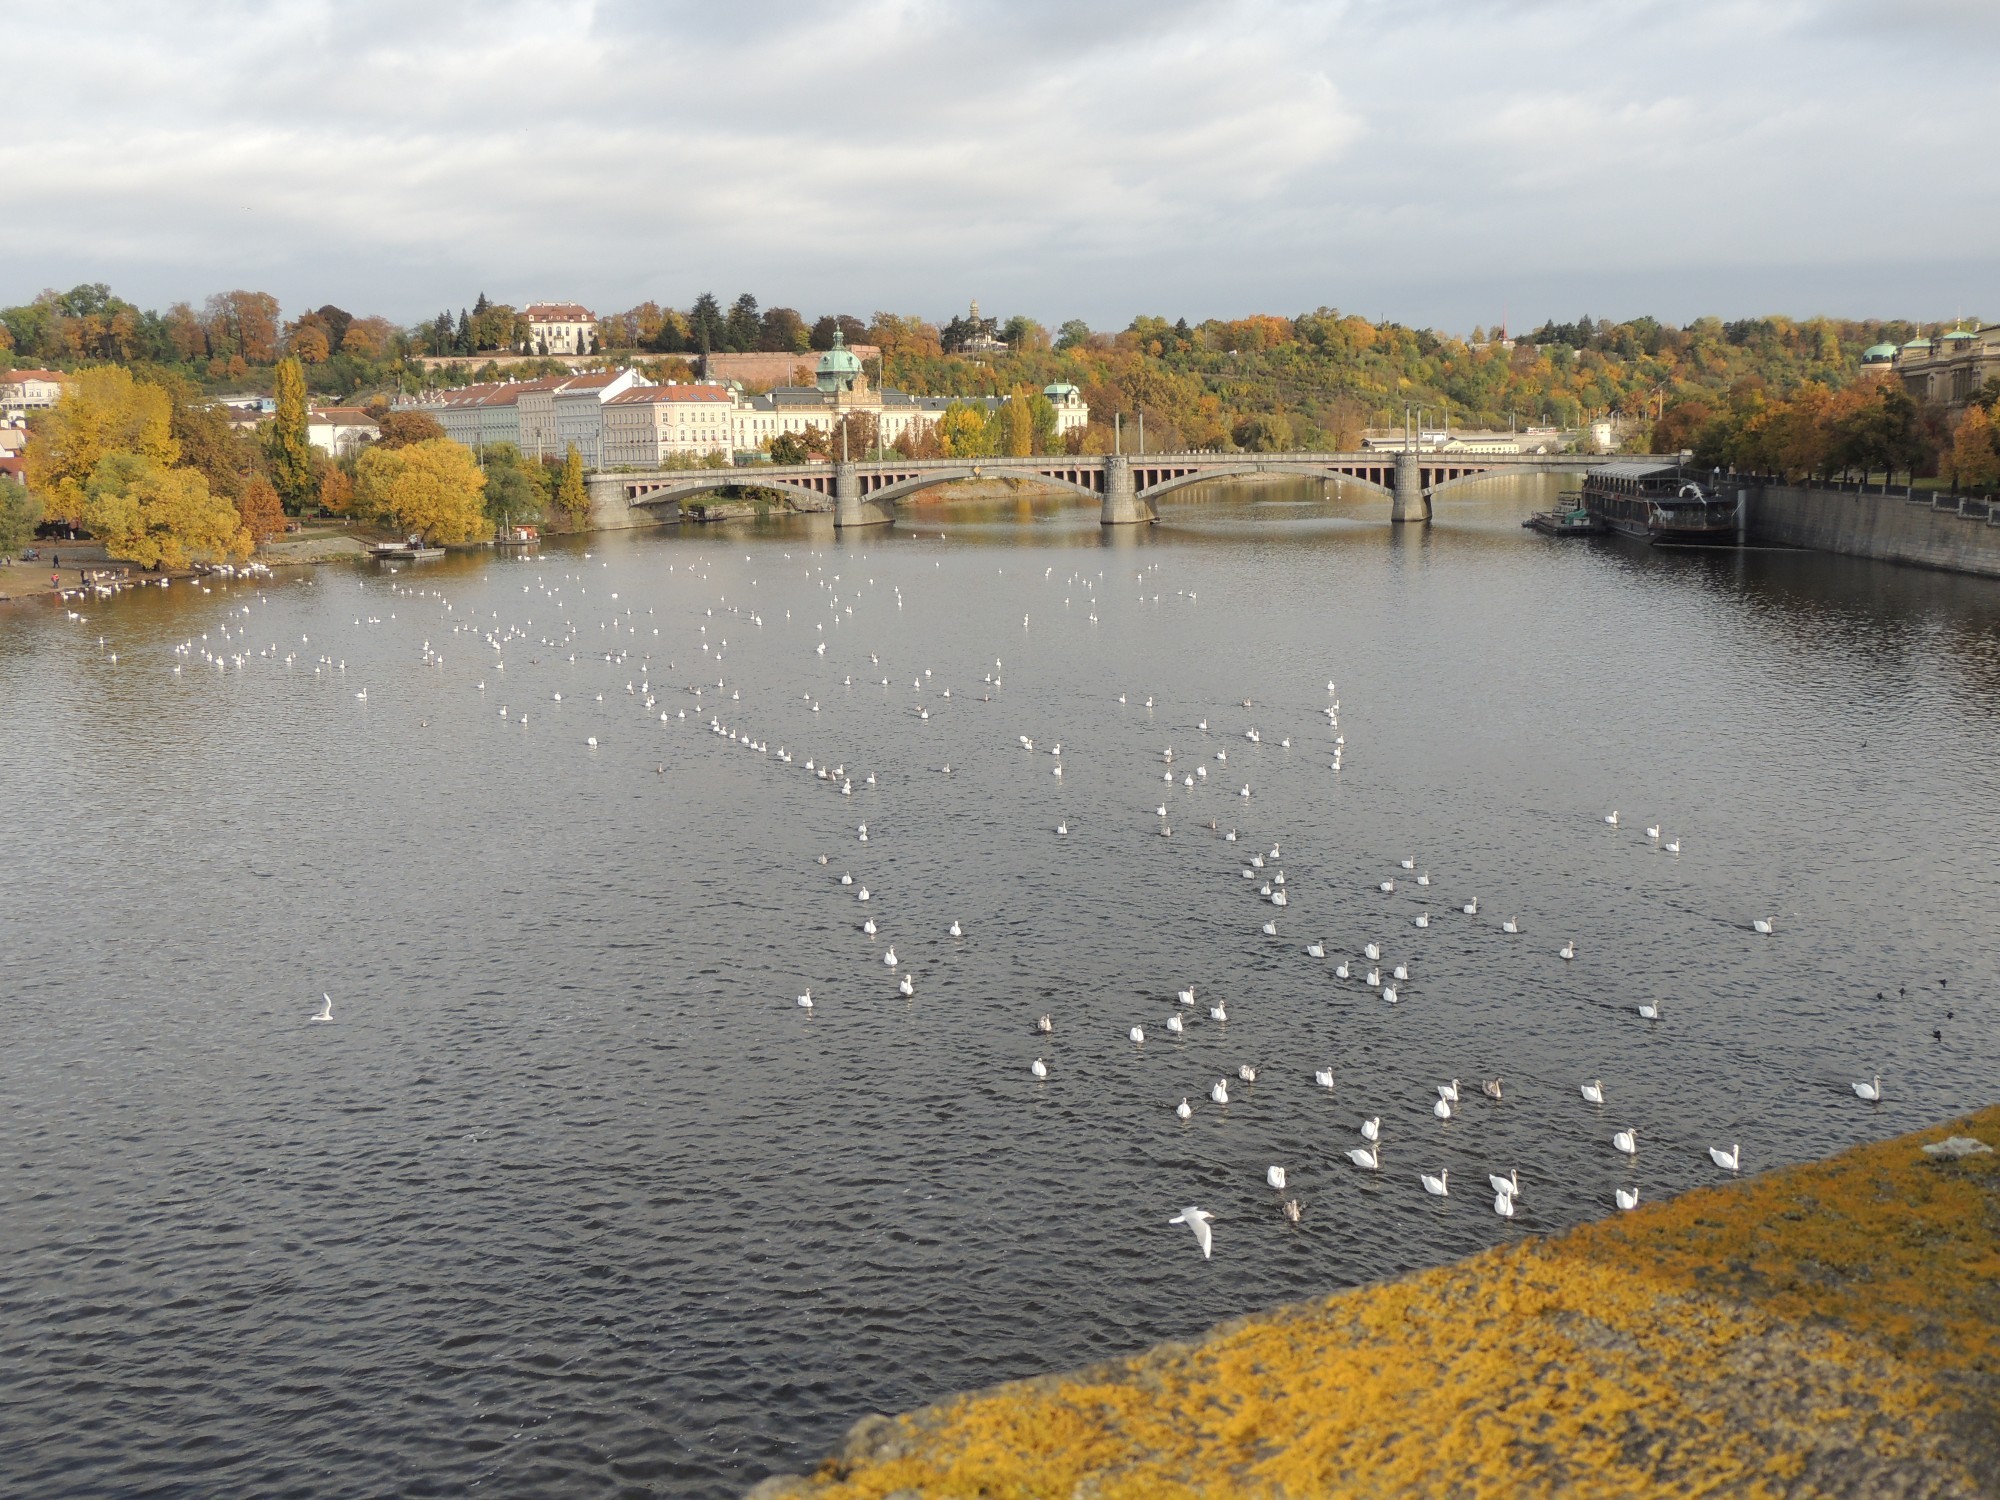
<point>1833,1319</point>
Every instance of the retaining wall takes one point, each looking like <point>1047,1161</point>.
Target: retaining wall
<point>1953,534</point>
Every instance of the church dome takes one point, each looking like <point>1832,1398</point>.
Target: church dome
<point>839,367</point>
<point>1878,353</point>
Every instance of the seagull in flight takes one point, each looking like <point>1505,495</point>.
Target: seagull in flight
<point>1197,1219</point>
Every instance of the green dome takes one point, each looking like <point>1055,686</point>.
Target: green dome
<point>1918,344</point>
<point>1958,334</point>
<point>1876,352</point>
<point>839,367</point>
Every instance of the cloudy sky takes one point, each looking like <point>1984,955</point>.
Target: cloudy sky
<point>1439,162</point>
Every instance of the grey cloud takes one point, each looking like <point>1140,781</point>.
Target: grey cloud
<point>1414,159</point>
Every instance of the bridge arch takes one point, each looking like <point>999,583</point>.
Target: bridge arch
<point>1497,471</point>
<point>932,478</point>
<point>1242,471</point>
<point>705,481</point>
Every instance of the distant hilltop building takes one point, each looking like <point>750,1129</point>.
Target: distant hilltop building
<point>29,390</point>
<point>1946,371</point>
<point>560,328</point>
<point>618,419</point>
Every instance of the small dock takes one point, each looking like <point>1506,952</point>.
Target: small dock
<point>413,550</point>
<point>1577,522</point>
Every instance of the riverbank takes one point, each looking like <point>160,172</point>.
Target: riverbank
<point>1946,533</point>
<point>1830,1329</point>
<point>21,581</point>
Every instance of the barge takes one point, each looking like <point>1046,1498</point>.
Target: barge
<point>1656,502</point>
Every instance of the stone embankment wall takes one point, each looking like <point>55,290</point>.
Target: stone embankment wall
<point>1830,1329</point>
<point>1959,536</point>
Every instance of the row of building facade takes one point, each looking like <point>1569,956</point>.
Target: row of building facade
<point>618,420</point>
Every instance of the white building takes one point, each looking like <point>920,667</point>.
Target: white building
<point>578,406</point>
<point>560,328</point>
<point>338,430</point>
<point>539,417</point>
<point>30,390</point>
<point>648,425</point>
<point>1072,411</point>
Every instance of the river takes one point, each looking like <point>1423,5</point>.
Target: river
<point>572,1197</point>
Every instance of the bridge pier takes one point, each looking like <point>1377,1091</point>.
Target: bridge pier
<point>1122,505</point>
<point>849,509</point>
<point>612,510</point>
<point>1408,501</point>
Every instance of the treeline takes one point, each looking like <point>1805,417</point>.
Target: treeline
<point>140,459</point>
<point>1318,379</point>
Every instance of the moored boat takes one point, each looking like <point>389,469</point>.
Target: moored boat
<point>1657,502</point>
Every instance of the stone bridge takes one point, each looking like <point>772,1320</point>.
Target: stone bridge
<point>864,493</point>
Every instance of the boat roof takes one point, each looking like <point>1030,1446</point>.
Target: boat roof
<point>1638,468</point>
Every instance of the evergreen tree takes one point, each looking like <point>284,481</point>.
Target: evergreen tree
<point>462,340</point>
<point>706,329</point>
<point>288,453</point>
<point>480,305</point>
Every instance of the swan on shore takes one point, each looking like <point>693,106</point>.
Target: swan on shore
<point>1197,1219</point>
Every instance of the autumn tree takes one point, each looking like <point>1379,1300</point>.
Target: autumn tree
<point>160,517</point>
<point>336,491</point>
<point>788,448</point>
<point>102,411</point>
<point>514,493</point>
<point>571,498</point>
<point>1017,426</point>
<point>209,442</point>
<point>244,324</point>
<point>964,432</point>
<point>309,345</point>
<point>1972,461</point>
<point>400,429</point>
<point>261,514</point>
<point>431,489</point>
<point>286,448</point>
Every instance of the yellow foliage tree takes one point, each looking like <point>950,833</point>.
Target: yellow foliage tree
<point>160,517</point>
<point>102,412</point>
<point>1017,425</point>
<point>1972,462</point>
<point>431,489</point>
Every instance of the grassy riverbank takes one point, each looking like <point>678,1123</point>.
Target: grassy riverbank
<point>1826,1329</point>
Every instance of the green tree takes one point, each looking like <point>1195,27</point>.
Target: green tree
<point>788,448</point>
<point>286,450</point>
<point>706,327</point>
<point>513,497</point>
<point>741,330</point>
<point>1042,417</point>
<point>571,498</point>
<point>431,489</point>
<point>20,514</point>
<point>1075,334</point>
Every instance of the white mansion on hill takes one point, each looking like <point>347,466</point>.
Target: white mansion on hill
<point>618,420</point>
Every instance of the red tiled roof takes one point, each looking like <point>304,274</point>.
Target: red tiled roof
<point>351,416</point>
<point>14,376</point>
<point>559,312</point>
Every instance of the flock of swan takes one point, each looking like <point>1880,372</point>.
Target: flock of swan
<point>717,703</point>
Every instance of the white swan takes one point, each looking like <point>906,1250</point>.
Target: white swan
<point>869,927</point>
<point>1340,969</point>
<point>1653,832</point>
<point>1371,950</point>
<point>325,1011</point>
<point>1245,1072</point>
<point>1471,908</point>
<point>1174,1024</point>
<point>1567,950</point>
<point>1374,978</point>
<point>1423,919</point>
<point>1510,1184</point>
<point>847,877</point>
<point>1220,1093</point>
<point>1425,878</point>
<point>1872,1092</point>
<point>1184,1109</point>
<point>1627,1141</point>
<point>1315,950</point>
<point>1438,1186</point>
<point>1197,1219</point>
<point>1368,1158</point>
<point>1387,886</point>
<point>1218,1013</point>
<point>1137,1033</point>
<point>956,930</point>
<point>1276,1177</point>
<point>806,1000</point>
<point>1594,1091</point>
<point>1649,1012</point>
<point>1400,972</point>
<point>1763,925</point>
<point>1270,929</point>
<point>1409,864</point>
<point>1612,817</point>
<point>1187,995</point>
<point>1323,1077</point>
<point>1510,925</point>
<point>1728,1160</point>
<point>889,958</point>
<point>1673,846</point>
<point>907,987</point>
<point>1491,1088</point>
<point>1371,1128</point>
<point>1389,993</point>
<point>1626,1198</point>
<point>1449,1091</point>
<point>1442,1109</point>
<point>863,894</point>
<point>1503,1205</point>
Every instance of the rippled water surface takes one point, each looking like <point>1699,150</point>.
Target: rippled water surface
<point>572,1198</point>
